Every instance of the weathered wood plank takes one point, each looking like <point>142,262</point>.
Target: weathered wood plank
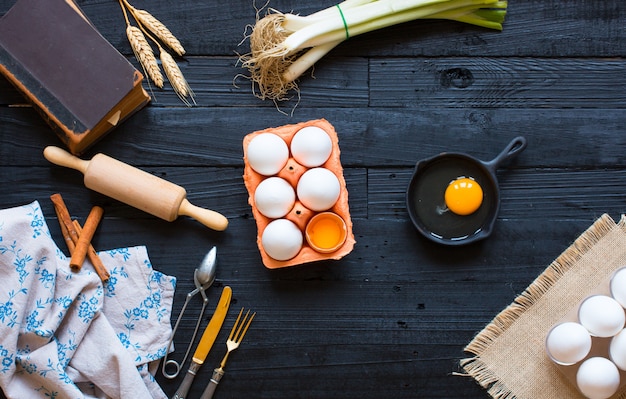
<point>408,82</point>
<point>206,187</point>
<point>528,194</point>
<point>532,28</point>
<point>215,82</point>
<point>388,252</point>
<point>577,138</point>
<point>500,83</point>
<point>377,194</point>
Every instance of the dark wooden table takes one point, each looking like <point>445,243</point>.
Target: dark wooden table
<point>391,319</point>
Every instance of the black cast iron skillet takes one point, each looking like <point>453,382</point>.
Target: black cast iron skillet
<point>425,195</point>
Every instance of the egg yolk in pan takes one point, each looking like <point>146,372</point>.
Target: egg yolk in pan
<point>464,196</point>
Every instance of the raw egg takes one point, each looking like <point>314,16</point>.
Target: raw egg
<point>282,239</point>
<point>598,378</point>
<point>318,189</point>
<point>311,146</point>
<point>601,315</point>
<point>326,232</point>
<point>463,196</point>
<point>618,286</point>
<point>568,343</point>
<point>267,153</point>
<point>274,197</point>
<point>617,350</point>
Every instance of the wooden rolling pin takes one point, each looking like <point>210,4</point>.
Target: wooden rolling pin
<point>136,188</point>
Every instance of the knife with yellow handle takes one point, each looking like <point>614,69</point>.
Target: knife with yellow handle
<point>206,342</point>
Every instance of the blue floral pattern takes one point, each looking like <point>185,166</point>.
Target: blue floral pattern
<point>46,311</point>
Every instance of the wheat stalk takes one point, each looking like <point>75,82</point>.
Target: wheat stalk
<point>177,80</point>
<point>158,29</point>
<point>148,26</point>
<point>145,55</point>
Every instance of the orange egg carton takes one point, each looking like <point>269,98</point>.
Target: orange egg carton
<point>299,214</point>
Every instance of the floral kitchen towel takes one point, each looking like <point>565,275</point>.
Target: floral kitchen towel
<point>68,335</point>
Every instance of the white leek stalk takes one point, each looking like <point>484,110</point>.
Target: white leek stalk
<point>284,46</point>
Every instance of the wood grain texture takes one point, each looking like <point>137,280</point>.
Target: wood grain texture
<point>501,83</point>
<point>391,319</point>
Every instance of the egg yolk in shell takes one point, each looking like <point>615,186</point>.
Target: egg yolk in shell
<point>464,196</point>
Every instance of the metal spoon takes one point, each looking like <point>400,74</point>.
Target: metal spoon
<point>205,273</point>
<point>203,278</point>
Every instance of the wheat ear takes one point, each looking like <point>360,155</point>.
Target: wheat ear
<point>159,29</point>
<point>145,55</point>
<point>177,80</point>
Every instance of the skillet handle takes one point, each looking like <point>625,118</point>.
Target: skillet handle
<point>516,146</point>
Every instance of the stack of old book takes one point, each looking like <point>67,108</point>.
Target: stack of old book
<point>79,83</point>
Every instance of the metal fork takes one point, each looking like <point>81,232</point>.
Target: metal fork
<point>234,339</point>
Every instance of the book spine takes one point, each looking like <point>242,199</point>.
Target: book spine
<point>61,120</point>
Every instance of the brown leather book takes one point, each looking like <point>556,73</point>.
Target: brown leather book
<point>81,85</point>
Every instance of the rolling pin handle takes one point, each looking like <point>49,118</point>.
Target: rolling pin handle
<point>209,218</point>
<point>59,156</point>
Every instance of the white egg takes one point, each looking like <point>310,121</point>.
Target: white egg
<point>598,378</point>
<point>617,350</point>
<point>274,197</point>
<point>568,343</point>
<point>618,286</point>
<point>282,239</point>
<point>318,189</point>
<point>267,153</point>
<point>602,315</point>
<point>311,146</point>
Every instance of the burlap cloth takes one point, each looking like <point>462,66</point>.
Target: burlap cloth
<point>509,354</point>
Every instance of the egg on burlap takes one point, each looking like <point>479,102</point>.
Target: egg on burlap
<point>601,315</point>
<point>568,343</point>
<point>598,378</point>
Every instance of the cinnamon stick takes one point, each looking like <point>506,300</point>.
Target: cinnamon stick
<point>66,234</point>
<point>71,233</point>
<point>84,239</point>
<point>64,219</point>
<point>93,257</point>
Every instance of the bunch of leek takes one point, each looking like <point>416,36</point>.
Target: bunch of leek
<point>284,45</point>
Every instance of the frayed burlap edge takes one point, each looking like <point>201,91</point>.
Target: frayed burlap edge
<point>474,366</point>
